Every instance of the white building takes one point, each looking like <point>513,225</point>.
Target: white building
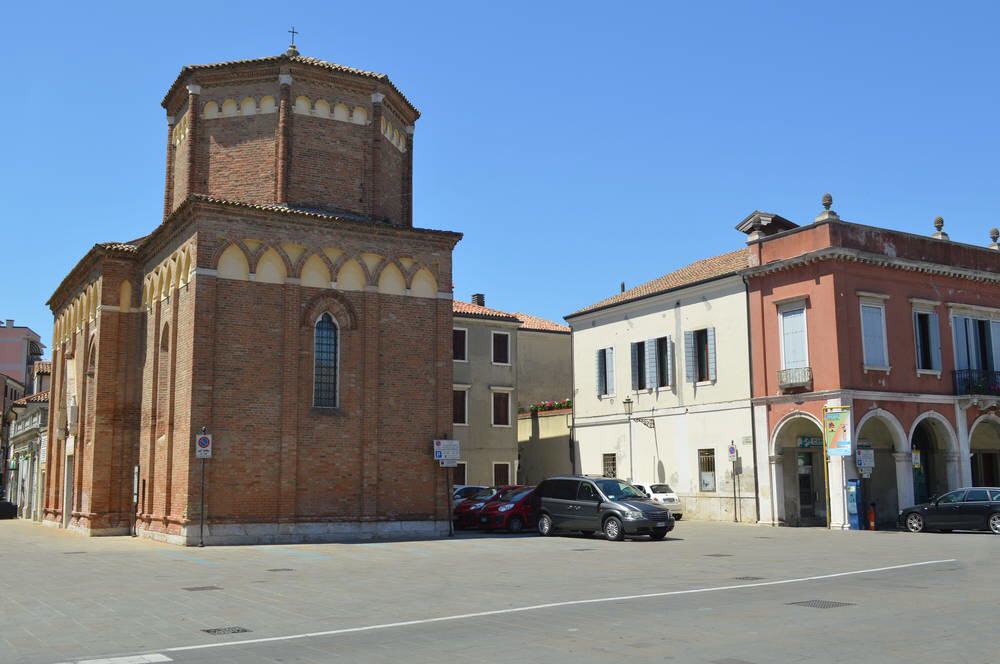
<point>675,349</point>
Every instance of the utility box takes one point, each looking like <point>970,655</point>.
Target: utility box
<point>855,504</point>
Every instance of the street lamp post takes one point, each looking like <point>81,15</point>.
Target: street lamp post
<point>628,414</point>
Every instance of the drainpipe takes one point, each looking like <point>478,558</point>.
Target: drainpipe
<point>753,423</point>
<point>572,395</point>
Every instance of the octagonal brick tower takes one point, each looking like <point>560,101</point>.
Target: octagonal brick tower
<point>291,130</point>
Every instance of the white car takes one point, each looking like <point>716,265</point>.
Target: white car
<point>663,494</point>
<point>462,491</point>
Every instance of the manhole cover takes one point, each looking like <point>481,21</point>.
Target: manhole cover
<point>718,555</point>
<point>281,569</point>
<point>195,589</point>
<point>748,578</point>
<point>820,604</point>
<point>219,631</point>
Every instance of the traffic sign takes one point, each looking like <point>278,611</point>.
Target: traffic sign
<point>448,463</point>
<point>733,454</point>
<point>203,446</point>
<point>447,450</point>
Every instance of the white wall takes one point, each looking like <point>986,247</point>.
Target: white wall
<point>688,417</point>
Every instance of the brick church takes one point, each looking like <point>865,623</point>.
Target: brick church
<point>286,303</point>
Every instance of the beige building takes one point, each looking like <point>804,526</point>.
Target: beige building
<point>675,351</point>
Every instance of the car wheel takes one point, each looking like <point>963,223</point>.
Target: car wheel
<point>515,525</point>
<point>613,529</point>
<point>914,522</point>
<point>544,525</point>
<point>995,523</point>
<point>658,534</point>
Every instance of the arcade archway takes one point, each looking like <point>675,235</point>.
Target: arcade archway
<point>984,443</point>
<point>797,471</point>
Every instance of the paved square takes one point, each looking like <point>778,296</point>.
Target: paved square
<point>779,595</point>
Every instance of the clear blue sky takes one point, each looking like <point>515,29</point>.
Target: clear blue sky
<point>575,144</point>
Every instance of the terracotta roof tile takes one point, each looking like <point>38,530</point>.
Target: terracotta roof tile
<point>529,322</point>
<point>43,367</point>
<point>37,397</point>
<point>469,310</point>
<point>703,270</point>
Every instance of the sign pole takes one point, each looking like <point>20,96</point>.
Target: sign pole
<point>201,529</point>
<point>203,451</point>
<point>451,521</point>
<point>736,504</point>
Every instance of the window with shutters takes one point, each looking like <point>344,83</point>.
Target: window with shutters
<point>501,348</point>
<point>325,362</point>
<point>610,465</point>
<point>873,335</point>
<point>501,409</point>
<point>706,470</point>
<point>460,406</point>
<point>664,362</point>
<point>700,355</point>
<point>639,365</point>
<point>460,344</point>
<point>927,340</point>
<point>605,372</point>
<point>794,346</point>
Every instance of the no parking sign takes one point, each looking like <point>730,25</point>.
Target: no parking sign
<point>203,446</point>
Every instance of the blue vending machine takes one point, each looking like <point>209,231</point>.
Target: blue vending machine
<point>855,504</point>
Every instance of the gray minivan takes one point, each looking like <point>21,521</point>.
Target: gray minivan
<point>590,504</point>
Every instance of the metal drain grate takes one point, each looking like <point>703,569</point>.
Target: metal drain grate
<point>195,589</point>
<point>220,631</point>
<point>748,578</point>
<point>281,569</point>
<point>820,604</point>
<point>718,555</point>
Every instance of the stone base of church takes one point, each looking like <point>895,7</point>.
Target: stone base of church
<point>299,533</point>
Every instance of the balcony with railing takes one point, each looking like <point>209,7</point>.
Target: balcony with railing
<point>977,381</point>
<point>796,378</point>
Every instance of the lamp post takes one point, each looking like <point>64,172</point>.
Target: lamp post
<point>628,414</point>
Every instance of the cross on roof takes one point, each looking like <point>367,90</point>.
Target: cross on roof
<point>293,32</point>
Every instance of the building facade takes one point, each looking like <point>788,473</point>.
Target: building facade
<point>286,305</point>
<point>485,393</point>
<point>902,329</point>
<point>20,348</point>
<point>29,419</point>
<point>662,387</point>
<point>12,391</point>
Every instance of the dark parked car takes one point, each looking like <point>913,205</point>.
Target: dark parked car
<point>973,508</point>
<point>7,510</point>
<point>514,509</point>
<point>588,504</point>
<point>466,513</point>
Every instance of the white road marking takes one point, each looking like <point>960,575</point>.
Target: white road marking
<point>551,605</point>
<point>132,659</point>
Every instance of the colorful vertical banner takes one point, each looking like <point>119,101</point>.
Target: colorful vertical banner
<point>837,430</point>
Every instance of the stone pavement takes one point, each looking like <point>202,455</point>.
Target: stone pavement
<point>66,598</point>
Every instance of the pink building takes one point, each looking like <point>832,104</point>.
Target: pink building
<point>20,348</point>
<point>902,329</point>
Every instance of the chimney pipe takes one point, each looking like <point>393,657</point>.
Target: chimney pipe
<point>479,299</point>
<point>623,286</point>
<point>10,322</point>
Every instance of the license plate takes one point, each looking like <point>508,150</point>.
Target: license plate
<point>661,524</point>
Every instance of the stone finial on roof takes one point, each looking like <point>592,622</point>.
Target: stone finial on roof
<point>939,234</point>
<point>994,236</point>
<point>827,214</point>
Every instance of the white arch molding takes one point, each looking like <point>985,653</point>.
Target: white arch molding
<point>952,444</point>
<point>901,443</point>
<point>794,415</point>
<point>985,417</point>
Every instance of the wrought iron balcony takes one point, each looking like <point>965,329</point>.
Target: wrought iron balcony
<point>798,377</point>
<point>977,381</point>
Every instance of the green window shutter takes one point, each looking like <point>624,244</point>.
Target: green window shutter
<point>651,364</point>
<point>690,357</point>
<point>935,341</point>
<point>711,353</point>
<point>635,367</point>
<point>602,383</point>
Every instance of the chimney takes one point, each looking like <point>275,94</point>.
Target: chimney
<point>479,299</point>
<point>10,322</point>
<point>994,236</point>
<point>623,286</point>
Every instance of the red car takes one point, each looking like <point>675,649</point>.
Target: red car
<point>466,514</point>
<point>513,509</point>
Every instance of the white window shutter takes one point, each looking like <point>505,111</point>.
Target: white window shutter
<point>670,362</point>
<point>651,364</point>
<point>711,353</point>
<point>635,367</point>
<point>935,326</point>
<point>610,361</point>
<point>690,357</point>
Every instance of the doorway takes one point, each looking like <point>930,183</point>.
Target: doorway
<point>68,491</point>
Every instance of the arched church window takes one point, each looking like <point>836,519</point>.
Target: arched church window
<point>326,356</point>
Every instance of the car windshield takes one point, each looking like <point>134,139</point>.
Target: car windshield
<point>513,495</point>
<point>467,491</point>
<point>484,493</point>
<point>661,488</point>
<point>616,489</point>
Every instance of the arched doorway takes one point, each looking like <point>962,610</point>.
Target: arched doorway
<point>935,459</point>
<point>797,471</point>
<point>984,443</point>
<point>888,486</point>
